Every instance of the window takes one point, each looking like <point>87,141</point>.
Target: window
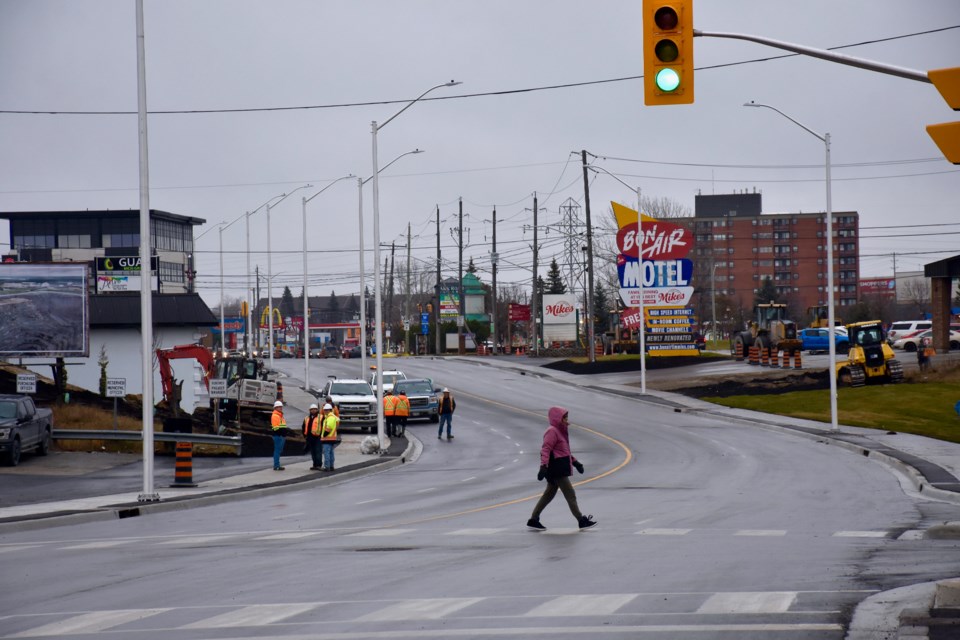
<point>171,272</point>
<point>847,233</point>
<point>33,234</point>
<point>121,233</point>
<point>168,235</point>
<point>75,234</point>
<point>767,249</point>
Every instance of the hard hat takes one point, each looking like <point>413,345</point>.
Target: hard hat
<point>327,407</point>
<point>445,390</point>
<point>277,404</point>
<point>313,406</point>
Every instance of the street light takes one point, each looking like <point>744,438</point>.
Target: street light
<point>306,314</point>
<point>377,306</point>
<point>825,138</point>
<point>270,267</point>
<point>247,343</point>
<point>363,279</point>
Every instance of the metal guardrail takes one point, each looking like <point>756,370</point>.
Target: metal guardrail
<point>137,436</point>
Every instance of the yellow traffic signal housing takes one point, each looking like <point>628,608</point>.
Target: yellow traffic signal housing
<point>667,52</point>
<point>947,135</point>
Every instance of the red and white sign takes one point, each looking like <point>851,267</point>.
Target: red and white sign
<point>630,319</point>
<point>518,312</point>
<point>886,287</point>
<point>661,240</point>
<point>559,308</point>
<point>657,296</point>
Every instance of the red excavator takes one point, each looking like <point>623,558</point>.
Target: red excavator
<point>249,386</point>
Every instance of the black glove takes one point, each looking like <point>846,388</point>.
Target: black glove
<point>578,466</point>
<point>542,473</point>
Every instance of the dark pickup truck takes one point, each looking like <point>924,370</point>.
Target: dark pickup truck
<point>23,427</point>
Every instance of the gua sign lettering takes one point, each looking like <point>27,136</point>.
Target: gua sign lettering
<point>661,240</point>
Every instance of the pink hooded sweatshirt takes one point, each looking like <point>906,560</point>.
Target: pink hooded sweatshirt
<point>556,439</point>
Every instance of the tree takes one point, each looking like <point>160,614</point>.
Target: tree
<point>352,304</point>
<point>601,307</point>
<point>471,268</point>
<point>767,293</point>
<point>555,279</point>
<point>334,304</point>
<point>286,306</point>
<point>103,361</point>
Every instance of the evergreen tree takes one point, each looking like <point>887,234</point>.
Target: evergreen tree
<point>471,268</point>
<point>554,280</point>
<point>767,293</point>
<point>286,306</point>
<point>334,304</point>
<point>601,307</point>
<point>352,304</point>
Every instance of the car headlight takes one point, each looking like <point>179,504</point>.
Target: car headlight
<point>5,433</point>
<point>373,407</point>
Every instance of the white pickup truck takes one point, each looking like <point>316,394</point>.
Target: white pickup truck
<point>23,427</point>
<point>355,400</point>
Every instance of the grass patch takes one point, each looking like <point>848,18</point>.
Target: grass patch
<point>77,416</point>
<point>922,406</point>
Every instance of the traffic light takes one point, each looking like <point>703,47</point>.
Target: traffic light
<point>947,134</point>
<point>667,52</point>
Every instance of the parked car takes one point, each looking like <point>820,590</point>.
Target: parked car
<point>330,351</point>
<point>352,352</point>
<point>906,328</point>
<point>423,396</point>
<point>23,427</point>
<point>819,340</point>
<point>389,379</point>
<point>911,342</point>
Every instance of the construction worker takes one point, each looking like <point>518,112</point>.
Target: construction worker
<point>329,436</point>
<point>328,400</point>
<point>389,411</point>
<point>311,433</point>
<point>447,406</point>
<point>278,426</point>
<point>400,414</point>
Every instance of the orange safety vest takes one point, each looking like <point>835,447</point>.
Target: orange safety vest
<point>401,407</point>
<point>276,421</point>
<point>311,424</point>
<point>389,405</point>
<point>329,431</point>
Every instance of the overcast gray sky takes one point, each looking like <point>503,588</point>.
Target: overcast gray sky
<point>62,56</point>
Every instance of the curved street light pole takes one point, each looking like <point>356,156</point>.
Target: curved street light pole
<point>377,306</point>
<point>825,138</point>
<point>306,310</point>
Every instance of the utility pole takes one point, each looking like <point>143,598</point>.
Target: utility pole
<point>406,302</point>
<point>463,318</point>
<point>438,282</point>
<point>591,351</point>
<point>534,302</point>
<point>493,264</point>
<point>258,308</point>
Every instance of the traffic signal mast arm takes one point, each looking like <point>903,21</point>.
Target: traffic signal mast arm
<point>823,54</point>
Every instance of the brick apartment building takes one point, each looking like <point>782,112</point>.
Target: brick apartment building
<point>737,247</point>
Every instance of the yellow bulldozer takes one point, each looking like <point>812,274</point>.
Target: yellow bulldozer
<point>869,358</point>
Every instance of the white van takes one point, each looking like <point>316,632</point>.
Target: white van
<point>905,328</point>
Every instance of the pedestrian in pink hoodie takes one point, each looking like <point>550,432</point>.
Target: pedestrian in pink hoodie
<point>556,466</point>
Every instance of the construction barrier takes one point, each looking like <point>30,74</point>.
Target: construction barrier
<point>754,355</point>
<point>481,350</point>
<point>598,350</point>
<point>775,359</point>
<point>765,357</point>
<point>183,467</point>
<point>796,360</point>
<point>738,351</point>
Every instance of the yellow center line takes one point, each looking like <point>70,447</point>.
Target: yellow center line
<point>628,456</point>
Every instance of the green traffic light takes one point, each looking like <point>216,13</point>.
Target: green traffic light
<point>667,80</point>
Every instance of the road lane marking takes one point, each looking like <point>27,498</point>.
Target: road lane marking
<point>749,602</point>
<point>860,534</point>
<point>18,547</point>
<point>475,532</point>
<point>92,622</point>
<point>469,479</point>
<point>663,532</point>
<point>193,540</point>
<point>255,615</point>
<point>581,605</point>
<point>292,535</point>
<point>426,490</point>
<point>499,469</point>
<point>99,544</point>
<point>432,609</point>
<point>374,533</point>
<point>761,532</point>
<point>912,534</point>
<point>369,501</point>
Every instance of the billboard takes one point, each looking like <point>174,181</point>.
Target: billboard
<point>885,287</point>
<point>44,310</point>
<point>559,308</point>
<point>122,273</point>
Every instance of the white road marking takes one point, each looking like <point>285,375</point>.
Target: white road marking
<point>749,602</point>
<point>257,615</point>
<point>499,469</point>
<point>860,534</point>
<point>583,605</point>
<point>291,535</point>
<point>516,444</point>
<point>474,532</point>
<point>427,490</point>
<point>17,547</point>
<point>374,533</point>
<point>99,544</point>
<point>912,534</point>
<point>432,609</point>
<point>469,479</point>
<point>663,532</point>
<point>92,622</point>
<point>369,501</point>
<point>517,459</point>
<point>761,532</point>
<point>289,515</point>
<point>193,540</point>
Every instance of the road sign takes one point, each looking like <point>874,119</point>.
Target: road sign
<point>116,387</point>
<point>26,383</point>
<point>218,388</point>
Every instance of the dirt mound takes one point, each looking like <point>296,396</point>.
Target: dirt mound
<point>748,384</point>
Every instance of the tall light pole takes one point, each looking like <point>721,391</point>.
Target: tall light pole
<point>246,216</point>
<point>306,310</point>
<point>363,280</point>
<point>825,138</point>
<point>377,306</point>
<point>270,268</point>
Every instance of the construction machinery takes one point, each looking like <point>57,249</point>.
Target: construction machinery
<point>769,330</point>
<point>869,357</point>
<point>249,384</point>
<point>820,317</point>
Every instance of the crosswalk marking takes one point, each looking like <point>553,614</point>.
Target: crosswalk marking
<point>292,535</point>
<point>912,534</point>
<point>475,532</point>
<point>585,605</point>
<point>92,622</point>
<point>256,615</point>
<point>860,534</point>
<point>761,532</point>
<point>375,533</point>
<point>749,602</point>
<point>663,532</point>
<point>431,609</point>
